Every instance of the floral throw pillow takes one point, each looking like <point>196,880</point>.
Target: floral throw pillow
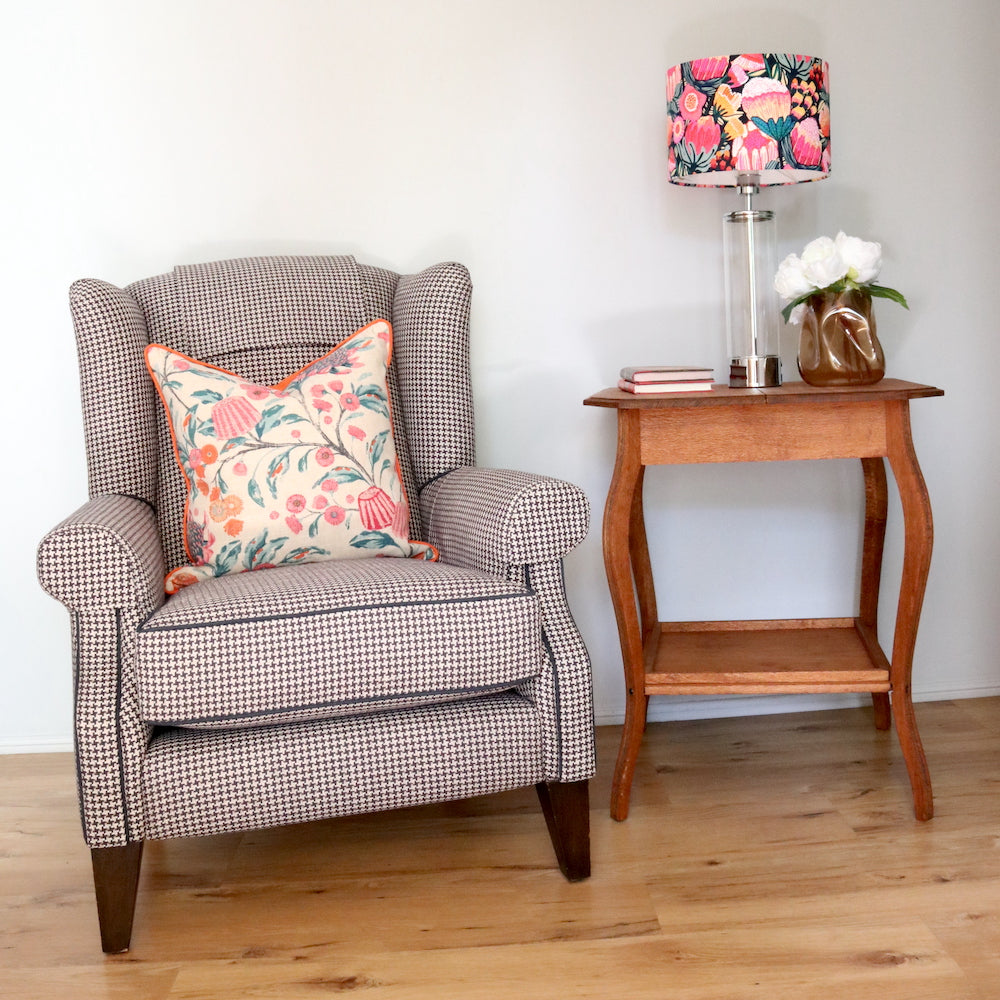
<point>297,472</point>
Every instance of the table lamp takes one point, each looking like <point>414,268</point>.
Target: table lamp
<point>745,121</point>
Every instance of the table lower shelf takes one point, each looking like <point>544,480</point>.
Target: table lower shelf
<point>790,656</point>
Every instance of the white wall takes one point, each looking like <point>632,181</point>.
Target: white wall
<point>524,138</point>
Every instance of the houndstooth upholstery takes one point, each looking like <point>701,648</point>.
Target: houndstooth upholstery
<point>324,689</point>
<point>244,306</point>
<point>105,555</point>
<point>492,518</point>
<point>430,316</point>
<point>244,779</point>
<point>436,632</point>
<point>519,526</point>
<point>118,398</point>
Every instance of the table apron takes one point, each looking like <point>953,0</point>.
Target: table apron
<point>756,433</point>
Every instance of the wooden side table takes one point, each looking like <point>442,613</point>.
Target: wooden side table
<point>792,421</point>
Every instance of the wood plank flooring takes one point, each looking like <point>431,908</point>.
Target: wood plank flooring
<point>764,858</point>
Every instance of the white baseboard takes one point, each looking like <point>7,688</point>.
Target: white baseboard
<point>40,744</point>
<point>660,710</point>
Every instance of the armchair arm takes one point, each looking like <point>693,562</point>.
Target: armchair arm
<point>491,519</point>
<point>105,563</point>
<point>520,525</point>
<point>105,555</point>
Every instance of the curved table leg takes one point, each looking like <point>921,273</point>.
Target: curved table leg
<point>642,573</point>
<point>642,569</point>
<point>918,540</point>
<point>876,509</point>
<point>621,523</point>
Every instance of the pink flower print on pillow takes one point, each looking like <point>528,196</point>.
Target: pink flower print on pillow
<point>376,508</point>
<point>234,417</point>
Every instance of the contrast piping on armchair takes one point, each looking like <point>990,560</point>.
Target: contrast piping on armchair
<point>346,702</point>
<point>75,617</point>
<point>132,496</point>
<point>447,472</point>
<point>555,677</point>
<point>182,626</point>
<point>122,787</point>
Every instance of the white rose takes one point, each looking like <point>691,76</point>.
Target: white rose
<point>795,316</point>
<point>822,263</point>
<point>863,259</point>
<point>790,282</point>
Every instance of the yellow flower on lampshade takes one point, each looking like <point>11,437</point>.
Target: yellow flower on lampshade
<point>727,104</point>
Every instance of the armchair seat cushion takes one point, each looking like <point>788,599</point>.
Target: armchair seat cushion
<point>332,639</point>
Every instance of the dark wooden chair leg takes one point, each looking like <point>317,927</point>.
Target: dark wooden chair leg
<point>566,806</point>
<point>116,881</point>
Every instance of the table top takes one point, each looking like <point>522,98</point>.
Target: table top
<point>789,393</point>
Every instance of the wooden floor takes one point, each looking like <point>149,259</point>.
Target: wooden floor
<point>765,858</point>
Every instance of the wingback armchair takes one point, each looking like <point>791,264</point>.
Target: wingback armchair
<point>331,687</point>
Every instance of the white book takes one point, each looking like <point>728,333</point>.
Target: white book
<point>666,373</point>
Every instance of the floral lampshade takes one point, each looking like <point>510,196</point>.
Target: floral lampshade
<point>762,113</point>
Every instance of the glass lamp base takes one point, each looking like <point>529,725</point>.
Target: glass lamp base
<point>754,372</point>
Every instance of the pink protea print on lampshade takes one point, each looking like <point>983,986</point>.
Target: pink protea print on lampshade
<point>767,99</point>
<point>782,96</point>
<point>754,151</point>
<point>807,142</point>
<point>701,140</point>
<point>713,68</point>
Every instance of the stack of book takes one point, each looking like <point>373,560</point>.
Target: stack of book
<point>665,378</point>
